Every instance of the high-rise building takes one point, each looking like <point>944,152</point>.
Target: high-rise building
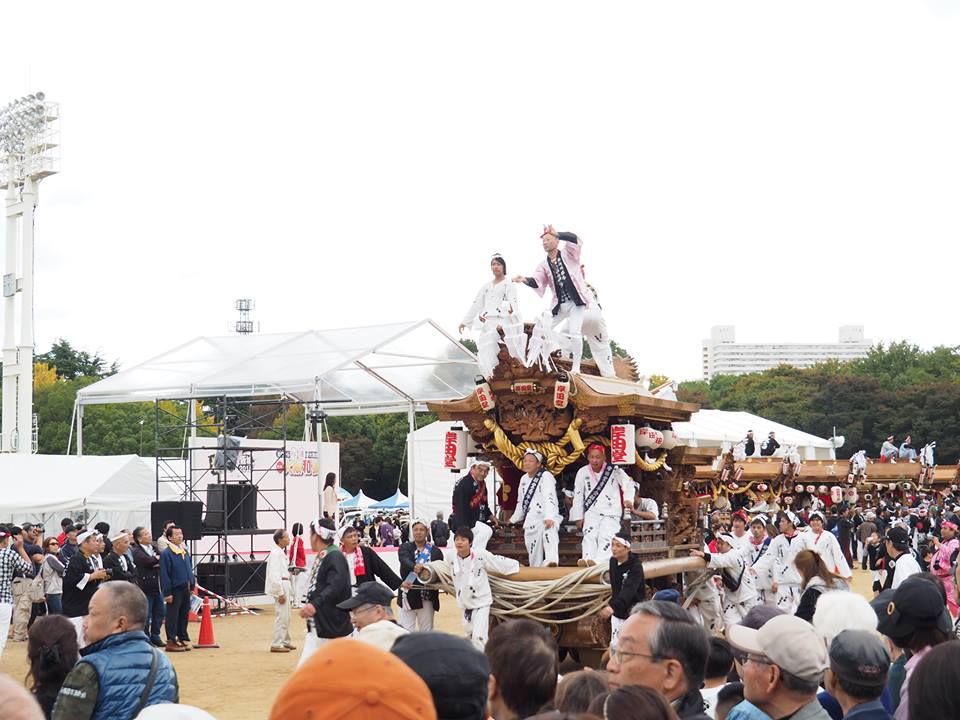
<point>723,355</point>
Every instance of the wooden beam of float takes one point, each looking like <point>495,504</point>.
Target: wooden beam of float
<point>830,471</point>
<point>651,569</point>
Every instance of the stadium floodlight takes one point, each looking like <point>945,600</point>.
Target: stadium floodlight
<point>29,152</point>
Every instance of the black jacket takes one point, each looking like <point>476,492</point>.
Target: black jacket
<point>112,562</point>
<point>76,602</point>
<point>769,447</point>
<point>749,446</point>
<point>374,567</point>
<point>690,707</point>
<point>626,582</point>
<point>464,515</point>
<point>440,532</point>
<point>148,569</point>
<point>333,586</point>
<point>407,555</point>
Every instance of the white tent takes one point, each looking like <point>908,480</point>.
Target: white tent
<point>116,489</point>
<point>722,429</point>
<point>359,501</point>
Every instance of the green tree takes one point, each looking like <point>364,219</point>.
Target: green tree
<point>71,363</point>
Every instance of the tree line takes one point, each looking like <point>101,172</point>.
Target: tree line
<point>895,390</point>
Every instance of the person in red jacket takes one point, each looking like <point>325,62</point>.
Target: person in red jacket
<point>298,565</point>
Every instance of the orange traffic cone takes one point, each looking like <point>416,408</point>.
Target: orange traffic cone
<point>192,616</point>
<point>206,628</point>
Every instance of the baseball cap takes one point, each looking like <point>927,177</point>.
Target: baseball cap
<point>858,656</point>
<point>915,605</point>
<point>899,537</point>
<point>668,595</point>
<point>455,671</point>
<point>369,593</point>
<point>788,642</point>
<point>346,679</point>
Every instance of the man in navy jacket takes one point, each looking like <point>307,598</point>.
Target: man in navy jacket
<point>176,583</point>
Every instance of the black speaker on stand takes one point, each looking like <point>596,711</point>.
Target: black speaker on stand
<point>231,506</point>
<point>186,514</point>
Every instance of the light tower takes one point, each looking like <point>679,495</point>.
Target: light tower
<point>244,325</point>
<point>29,152</point>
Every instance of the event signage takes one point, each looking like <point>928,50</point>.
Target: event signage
<point>623,451</point>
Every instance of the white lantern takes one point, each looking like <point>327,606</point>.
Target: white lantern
<point>455,449</point>
<point>623,451</point>
<point>561,393</point>
<point>647,437</point>
<point>811,489</point>
<point>485,396</point>
<point>836,494</point>
<point>669,439</point>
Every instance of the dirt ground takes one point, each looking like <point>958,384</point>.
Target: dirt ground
<point>239,680</point>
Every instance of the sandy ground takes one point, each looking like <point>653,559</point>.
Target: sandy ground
<point>239,680</point>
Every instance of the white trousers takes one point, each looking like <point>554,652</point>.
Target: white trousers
<point>311,643</point>
<point>733,612</point>
<point>788,597</point>
<point>598,532</point>
<point>6,612</point>
<point>616,624</point>
<point>595,333</point>
<point>573,314</point>
<point>543,544</point>
<point>416,620</point>
<point>298,584</point>
<point>476,625</point>
<point>481,536</point>
<point>281,618</point>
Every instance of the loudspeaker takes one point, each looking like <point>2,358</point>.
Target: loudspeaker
<point>233,578</point>
<point>185,513</point>
<point>231,506</point>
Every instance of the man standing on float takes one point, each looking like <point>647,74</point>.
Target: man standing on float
<point>600,492</point>
<point>470,506</point>
<point>562,273</point>
<point>538,511</point>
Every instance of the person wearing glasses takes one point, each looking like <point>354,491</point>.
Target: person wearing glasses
<point>372,616</point>
<point>562,273</point>
<point>663,647</point>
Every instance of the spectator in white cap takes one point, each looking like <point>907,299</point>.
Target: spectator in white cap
<point>826,545</point>
<point>415,607</point>
<point>81,580</point>
<point>783,666</point>
<point>471,508</point>
<point>626,585</point>
<point>739,592</point>
<point>779,561</point>
<point>117,561</point>
<point>538,511</point>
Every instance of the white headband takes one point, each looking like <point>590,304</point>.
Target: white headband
<point>480,461</point>
<point>536,453</point>
<point>621,541</point>
<point>325,533</point>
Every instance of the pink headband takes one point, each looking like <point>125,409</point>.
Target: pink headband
<point>597,446</point>
<point>952,526</point>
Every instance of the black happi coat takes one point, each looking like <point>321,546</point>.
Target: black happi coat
<point>407,554</point>
<point>626,583</point>
<point>76,602</point>
<point>374,567</point>
<point>332,587</point>
<point>465,512</point>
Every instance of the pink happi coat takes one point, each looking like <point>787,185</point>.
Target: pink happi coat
<point>570,253</point>
<point>941,567</point>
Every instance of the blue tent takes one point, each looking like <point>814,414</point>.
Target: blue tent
<point>397,501</point>
<point>343,494</point>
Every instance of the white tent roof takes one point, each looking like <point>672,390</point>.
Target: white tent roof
<point>361,500</point>
<point>381,368</point>
<point>724,428</point>
<point>39,484</point>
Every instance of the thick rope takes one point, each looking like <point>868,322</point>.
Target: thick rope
<point>564,600</point>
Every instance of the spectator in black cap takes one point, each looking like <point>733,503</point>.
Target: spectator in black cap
<point>900,563</point>
<point>857,674</point>
<point>626,584</point>
<point>934,691</point>
<point>372,616</point>
<point>915,618</point>
<point>454,670</point>
<point>69,547</point>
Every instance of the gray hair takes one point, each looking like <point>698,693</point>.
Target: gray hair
<point>799,685</point>
<point>128,600</point>
<point>678,637</point>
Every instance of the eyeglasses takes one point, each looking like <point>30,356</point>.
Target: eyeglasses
<point>619,656</point>
<point>744,658</point>
<point>362,609</point>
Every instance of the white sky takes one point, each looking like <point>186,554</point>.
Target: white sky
<point>787,168</point>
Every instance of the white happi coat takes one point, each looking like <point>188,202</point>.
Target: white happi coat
<point>763,578</point>
<point>543,544</point>
<point>735,604</point>
<point>779,561</point>
<point>470,581</point>
<point>490,298</point>
<point>602,521</point>
<point>827,546</point>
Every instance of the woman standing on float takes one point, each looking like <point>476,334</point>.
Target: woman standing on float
<point>491,297</point>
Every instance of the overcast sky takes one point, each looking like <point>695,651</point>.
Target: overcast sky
<point>786,168</point>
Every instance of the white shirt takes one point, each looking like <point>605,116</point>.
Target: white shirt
<point>733,564</point>
<point>827,546</point>
<point>381,634</point>
<point>608,503</point>
<point>470,581</point>
<point>778,558</point>
<point>277,572</point>
<point>904,566</point>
